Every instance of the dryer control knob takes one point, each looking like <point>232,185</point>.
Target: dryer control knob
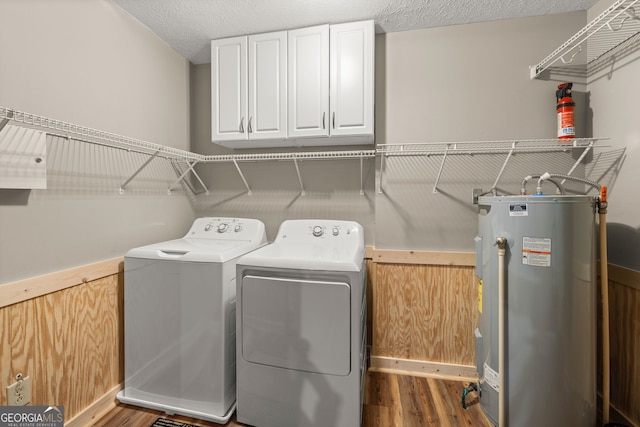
<point>222,228</point>
<point>336,231</point>
<point>208,227</point>
<point>317,231</point>
<point>237,228</point>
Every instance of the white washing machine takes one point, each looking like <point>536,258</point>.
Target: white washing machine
<point>179,319</point>
<point>301,342</point>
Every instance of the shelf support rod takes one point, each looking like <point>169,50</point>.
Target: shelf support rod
<point>3,123</point>
<point>582,156</point>
<point>444,159</point>
<point>178,170</point>
<point>206,190</point>
<point>504,165</point>
<point>295,162</point>
<point>381,170</point>
<point>144,165</point>
<point>190,166</point>
<point>235,162</point>
<point>361,177</point>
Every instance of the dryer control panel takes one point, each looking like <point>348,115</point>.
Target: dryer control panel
<point>331,230</point>
<point>320,231</point>
<point>225,228</point>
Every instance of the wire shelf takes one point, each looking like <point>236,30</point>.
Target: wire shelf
<point>485,147</point>
<point>304,155</point>
<point>616,30</point>
<point>184,162</point>
<point>94,136</point>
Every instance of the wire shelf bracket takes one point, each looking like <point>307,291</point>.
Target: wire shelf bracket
<point>144,165</point>
<point>295,162</point>
<point>190,168</point>
<point>504,166</point>
<point>235,162</point>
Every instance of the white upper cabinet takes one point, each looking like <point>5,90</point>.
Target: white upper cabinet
<point>310,86</point>
<point>268,85</point>
<point>309,82</point>
<point>249,90</point>
<point>229,89</point>
<point>352,78</point>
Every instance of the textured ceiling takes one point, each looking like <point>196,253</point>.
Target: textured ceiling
<point>189,25</point>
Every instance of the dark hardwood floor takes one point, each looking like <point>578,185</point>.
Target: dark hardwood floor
<point>390,401</point>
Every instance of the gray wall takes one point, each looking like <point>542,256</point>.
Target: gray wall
<point>613,95</point>
<point>461,83</point>
<point>88,63</point>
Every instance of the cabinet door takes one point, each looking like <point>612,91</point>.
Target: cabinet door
<point>267,86</point>
<point>229,89</point>
<point>308,81</point>
<point>352,78</point>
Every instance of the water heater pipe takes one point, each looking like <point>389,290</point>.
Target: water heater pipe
<point>604,286</point>
<point>548,176</point>
<point>502,244</point>
<point>526,179</point>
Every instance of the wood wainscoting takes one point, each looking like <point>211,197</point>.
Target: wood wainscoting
<point>65,329</point>
<point>423,313</point>
<point>624,335</point>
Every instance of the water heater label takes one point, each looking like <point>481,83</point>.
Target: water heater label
<point>491,378</point>
<point>519,209</point>
<point>536,251</point>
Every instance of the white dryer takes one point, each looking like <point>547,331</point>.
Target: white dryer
<point>301,337</point>
<point>179,319</point>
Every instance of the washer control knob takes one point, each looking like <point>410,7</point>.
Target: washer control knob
<point>335,231</point>
<point>208,227</point>
<point>222,227</point>
<point>317,231</point>
<point>237,228</point>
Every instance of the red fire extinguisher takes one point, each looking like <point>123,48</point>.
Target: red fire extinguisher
<point>565,107</point>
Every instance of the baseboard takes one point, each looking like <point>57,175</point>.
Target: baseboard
<point>422,368</point>
<point>96,410</point>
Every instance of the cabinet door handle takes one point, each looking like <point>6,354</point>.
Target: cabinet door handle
<point>334,120</point>
<point>242,125</point>
<point>249,127</point>
<point>323,116</point>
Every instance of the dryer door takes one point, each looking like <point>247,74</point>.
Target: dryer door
<point>296,324</point>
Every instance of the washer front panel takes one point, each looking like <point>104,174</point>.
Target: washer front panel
<point>296,324</point>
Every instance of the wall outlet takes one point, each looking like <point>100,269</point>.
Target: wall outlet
<point>19,393</point>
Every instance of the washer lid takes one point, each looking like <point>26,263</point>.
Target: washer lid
<point>208,240</point>
<point>195,250</point>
